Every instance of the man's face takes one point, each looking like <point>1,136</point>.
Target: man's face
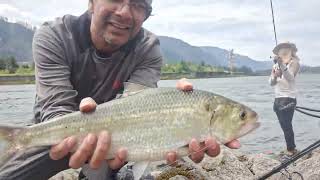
<point>115,22</point>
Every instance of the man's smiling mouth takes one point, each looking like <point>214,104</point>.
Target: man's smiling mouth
<point>120,26</point>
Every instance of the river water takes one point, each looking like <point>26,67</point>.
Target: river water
<point>16,102</point>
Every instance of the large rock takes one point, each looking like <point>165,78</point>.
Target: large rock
<point>226,167</point>
<point>309,168</point>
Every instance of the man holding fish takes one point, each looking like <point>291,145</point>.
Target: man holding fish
<point>93,55</point>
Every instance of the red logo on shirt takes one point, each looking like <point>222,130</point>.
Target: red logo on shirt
<point>116,85</point>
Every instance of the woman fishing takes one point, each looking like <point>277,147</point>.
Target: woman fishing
<point>282,78</point>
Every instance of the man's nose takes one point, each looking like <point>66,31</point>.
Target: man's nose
<point>124,10</point>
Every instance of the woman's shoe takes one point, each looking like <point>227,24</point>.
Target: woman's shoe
<point>286,155</point>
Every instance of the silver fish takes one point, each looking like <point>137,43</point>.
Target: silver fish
<point>148,124</point>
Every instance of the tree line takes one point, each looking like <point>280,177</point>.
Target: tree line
<point>189,67</point>
<point>9,65</point>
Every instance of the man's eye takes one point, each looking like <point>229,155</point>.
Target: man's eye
<point>140,6</point>
<point>115,1</point>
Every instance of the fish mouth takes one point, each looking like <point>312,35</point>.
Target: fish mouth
<point>248,128</point>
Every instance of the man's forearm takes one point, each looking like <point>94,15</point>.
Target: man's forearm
<point>32,164</point>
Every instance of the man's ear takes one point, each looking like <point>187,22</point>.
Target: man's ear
<point>90,6</point>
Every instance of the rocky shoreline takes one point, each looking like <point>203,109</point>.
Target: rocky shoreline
<point>229,165</point>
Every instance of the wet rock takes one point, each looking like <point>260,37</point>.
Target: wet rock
<point>70,174</point>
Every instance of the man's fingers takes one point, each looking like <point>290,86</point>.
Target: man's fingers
<point>87,105</point>
<point>235,144</point>
<point>62,149</point>
<point>101,150</point>
<point>171,158</point>
<point>119,159</point>
<point>197,154</point>
<point>84,152</point>
<point>184,85</point>
<point>213,148</point>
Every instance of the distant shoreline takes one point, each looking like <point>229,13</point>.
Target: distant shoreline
<point>16,79</point>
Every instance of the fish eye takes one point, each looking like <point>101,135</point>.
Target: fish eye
<point>243,115</point>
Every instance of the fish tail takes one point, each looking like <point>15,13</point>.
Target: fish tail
<point>8,145</point>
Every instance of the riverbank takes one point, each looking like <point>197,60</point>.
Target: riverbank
<point>15,79</point>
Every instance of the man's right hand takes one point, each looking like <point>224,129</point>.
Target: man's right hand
<point>93,148</point>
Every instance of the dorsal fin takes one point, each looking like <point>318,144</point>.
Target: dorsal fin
<point>132,88</point>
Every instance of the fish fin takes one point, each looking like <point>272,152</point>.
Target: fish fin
<point>139,168</point>
<point>8,146</point>
<point>131,89</point>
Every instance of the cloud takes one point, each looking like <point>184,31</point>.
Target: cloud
<point>14,14</point>
<point>244,25</point>
<point>38,11</point>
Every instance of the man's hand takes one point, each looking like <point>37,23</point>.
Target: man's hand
<point>196,149</point>
<point>93,148</point>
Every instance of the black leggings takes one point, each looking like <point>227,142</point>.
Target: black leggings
<point>284,108</point>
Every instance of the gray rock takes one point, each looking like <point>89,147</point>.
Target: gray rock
<point>70,174</point>
<point>226,166</point>
<point>309,168</point>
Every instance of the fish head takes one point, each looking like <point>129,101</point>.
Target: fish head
<point>230,120</point>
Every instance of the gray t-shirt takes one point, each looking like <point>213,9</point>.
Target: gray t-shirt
<point>68,69</point>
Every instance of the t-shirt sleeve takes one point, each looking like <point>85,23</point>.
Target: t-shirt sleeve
<point>54,92</point>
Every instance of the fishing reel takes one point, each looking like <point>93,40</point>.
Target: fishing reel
<point>275,62</point>
<point>275,59</point>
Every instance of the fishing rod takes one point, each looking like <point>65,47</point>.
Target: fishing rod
<point>274,29</point>
<point>291,160</point>
<point>306,113</point>
<point>274,24</point>
<point>304,110</point>
<point>308,109</point>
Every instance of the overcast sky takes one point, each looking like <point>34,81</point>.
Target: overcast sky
<point>243,25</point>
